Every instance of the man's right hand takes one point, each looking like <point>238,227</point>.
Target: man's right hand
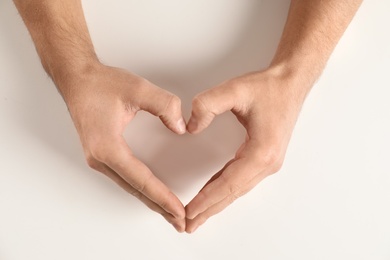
<point>102,101</point>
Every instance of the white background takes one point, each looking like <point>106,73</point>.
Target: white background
<point>330,201</point>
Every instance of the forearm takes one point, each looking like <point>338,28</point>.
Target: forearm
<point>311,33</point>
<point>60,35</point>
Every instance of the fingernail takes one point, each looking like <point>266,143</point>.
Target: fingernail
<point>181,126</point>
<point>192,125</point>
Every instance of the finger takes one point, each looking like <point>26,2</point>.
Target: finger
<point>250,162</point>
<point>229,183</point>
<point>210,103</point>
<point>192,228</point>
<point>216,176</point>
<point>178,224</point>
<point>163,104</point>
<point>139,176</point>
<point>193,224</point>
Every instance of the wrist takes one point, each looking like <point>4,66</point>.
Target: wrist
<point>292,79</point>
<point>296,70</point>
<point>69,78</point>
<point>300,74</point>
<point>62,68</point>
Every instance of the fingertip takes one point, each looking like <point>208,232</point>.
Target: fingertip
<point>192,230</point>
<point>191,226</point>
<point>179,227</point>
<point>192,125</point>
<point>181,126</point>
<point>198,123</point>
<point>178,211</point>
<point>177,126</point>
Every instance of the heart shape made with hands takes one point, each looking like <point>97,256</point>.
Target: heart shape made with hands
<point>266,111</point>
<point>241,173</point>
<point>184,163</point>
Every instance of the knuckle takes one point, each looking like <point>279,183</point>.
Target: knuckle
<point>136,194</point>
<point>99,154</point>
<point>235,193</point>
<point>141,185</point>
<point>272,159</point>
<point>98,150</point>
<point>269,157</point>
<point>141,82</point>
<point>277,166</point>
<point>163,204</point>
<point>235,87</point>
<point>232,198</point>
<point>198,103</point>
<point>232,187</point>
<point>92,163</point>
<point>175,101</point>
<point>172,104</point>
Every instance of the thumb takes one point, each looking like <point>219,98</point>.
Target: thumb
<point>208,104</point>
<point>165,105</point>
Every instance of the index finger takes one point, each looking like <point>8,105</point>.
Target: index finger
<point>232,182</point>
<point>251,164</point>
<point>139,176</point>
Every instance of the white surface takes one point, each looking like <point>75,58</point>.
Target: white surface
<point>330,201</point>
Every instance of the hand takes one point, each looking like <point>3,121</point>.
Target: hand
<point>267,104</point>
<point>102,102</point>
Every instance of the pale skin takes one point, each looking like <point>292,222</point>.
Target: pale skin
<point>102,100</point>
